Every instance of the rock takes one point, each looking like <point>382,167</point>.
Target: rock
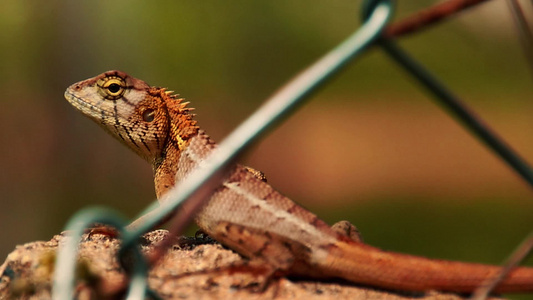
<point>194,268</point>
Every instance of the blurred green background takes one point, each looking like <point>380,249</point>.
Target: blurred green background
<point>371,147</point>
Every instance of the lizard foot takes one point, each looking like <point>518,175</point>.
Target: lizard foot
<point>200,238</point>
<point>102,229</point>
<point>348,230</point>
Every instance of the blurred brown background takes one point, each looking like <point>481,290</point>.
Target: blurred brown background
<point>371,147</point>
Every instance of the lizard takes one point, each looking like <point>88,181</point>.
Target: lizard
<point>249,216</point>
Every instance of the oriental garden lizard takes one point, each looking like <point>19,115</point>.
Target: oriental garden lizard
<point>246,214</point>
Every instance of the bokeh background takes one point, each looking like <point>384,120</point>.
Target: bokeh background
<point>371,147</point>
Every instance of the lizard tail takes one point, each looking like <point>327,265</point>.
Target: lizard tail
<point>365,264</point>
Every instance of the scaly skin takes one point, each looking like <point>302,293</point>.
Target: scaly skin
<point>248,215</point>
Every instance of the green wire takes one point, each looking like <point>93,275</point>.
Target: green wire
<point>65,266</point>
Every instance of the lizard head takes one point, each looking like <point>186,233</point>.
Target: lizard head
<point>144,118</point>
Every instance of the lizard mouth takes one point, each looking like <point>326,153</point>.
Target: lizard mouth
<point>85,107</point>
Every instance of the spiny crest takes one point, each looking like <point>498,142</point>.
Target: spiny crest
<point>182,124</point>
<point>177,102</point>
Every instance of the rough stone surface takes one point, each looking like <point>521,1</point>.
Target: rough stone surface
<point>192,269</point>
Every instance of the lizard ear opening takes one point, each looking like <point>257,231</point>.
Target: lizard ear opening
<point>148,115</point>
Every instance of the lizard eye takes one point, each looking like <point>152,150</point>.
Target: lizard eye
<point>112,88</point>
<point>148,115</point>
